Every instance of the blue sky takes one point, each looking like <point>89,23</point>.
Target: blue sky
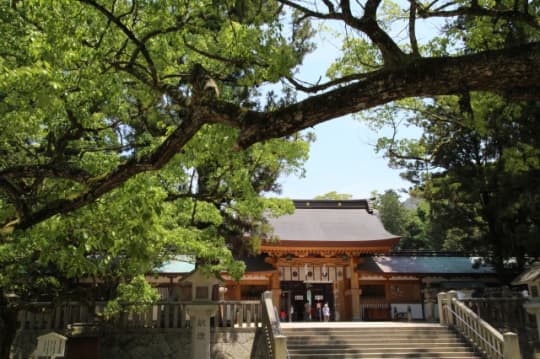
<point>342,158</point>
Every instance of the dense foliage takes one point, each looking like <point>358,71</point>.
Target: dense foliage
<point>409,219</point>
<point>476,160</point>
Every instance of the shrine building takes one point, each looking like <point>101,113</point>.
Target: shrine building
<point>338,252</point>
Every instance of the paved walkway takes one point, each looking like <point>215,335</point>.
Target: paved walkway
<point>315,324</point>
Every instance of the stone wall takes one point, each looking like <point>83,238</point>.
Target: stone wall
<point>158,344</point>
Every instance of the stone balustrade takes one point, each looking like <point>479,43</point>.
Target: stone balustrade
<point>162,315</point>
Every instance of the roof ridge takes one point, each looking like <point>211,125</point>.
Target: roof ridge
<point>333,204</point>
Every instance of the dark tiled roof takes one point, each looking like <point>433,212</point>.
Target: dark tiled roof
<point>330,221</point>
<point>257,264</point>
<point>330,203</point>
<point>423,265</point>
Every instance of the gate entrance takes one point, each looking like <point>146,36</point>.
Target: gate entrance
<point>295,295</point>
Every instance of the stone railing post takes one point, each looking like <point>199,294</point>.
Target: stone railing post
<point>280,346</point>
<point>441,302</point>
<point>271,321</point>
<point>449,296</point>
<point>511,346</point>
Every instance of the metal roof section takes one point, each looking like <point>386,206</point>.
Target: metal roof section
<point>181,264</point>
<point>330,221</point>
<point>424,265</point>
<point>186,264</point>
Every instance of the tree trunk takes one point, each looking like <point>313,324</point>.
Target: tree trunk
<point>8,326</point>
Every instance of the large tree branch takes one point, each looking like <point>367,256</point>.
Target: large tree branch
<point>391,53</point>
<point>476,10</point>
<point>97,187</point>
<point>487,71</point>
<point>508,70</point>
<point>412,28</point>
<point>331,15</point>
<point>367,24</point>
<point>312,88</point>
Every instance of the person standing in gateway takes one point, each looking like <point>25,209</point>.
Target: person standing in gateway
<point>326,312</point>
<point>307,311</point>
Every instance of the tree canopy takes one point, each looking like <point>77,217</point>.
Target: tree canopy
<point>477,165</point>
<point>94,93</point>
<point>409,219</point>
<point>477,159</point>
<point>334,195</point>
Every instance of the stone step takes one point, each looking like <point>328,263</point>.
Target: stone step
<point>367,330</point>
<point>371,339</point>
<point>380,346</point>
<point>370,335</point>
<point>360,339</point>
<point>394,344</point>
<point>408,355</point>
<point>384,341</point>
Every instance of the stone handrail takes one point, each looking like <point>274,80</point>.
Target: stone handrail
<point>483,336</point>
<point>272,326</point>
<point>500,312</point>
<point>161,315</point>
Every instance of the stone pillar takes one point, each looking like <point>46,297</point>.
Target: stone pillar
<point>441,301</point>
<point>201,310</point>
<point>200,315</point>
<point>511,346</point>
<point>449,296</point>
<point>532,305</point>
<point>428,303</point>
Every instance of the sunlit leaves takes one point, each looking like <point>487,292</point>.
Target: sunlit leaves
<point>359,55</point>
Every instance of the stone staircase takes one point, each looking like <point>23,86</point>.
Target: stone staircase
<point>374,340</point>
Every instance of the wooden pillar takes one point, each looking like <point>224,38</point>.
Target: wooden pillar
<point>276,289</point>
<point>355,291</point>
<point>237,291</point>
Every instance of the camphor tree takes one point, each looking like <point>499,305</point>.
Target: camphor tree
<point>96,94</point>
